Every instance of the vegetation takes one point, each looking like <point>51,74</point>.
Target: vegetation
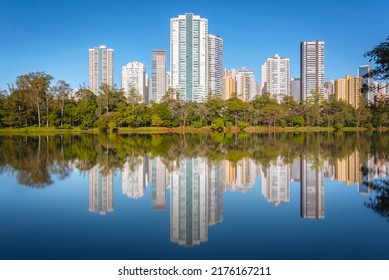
<point>35,102</point>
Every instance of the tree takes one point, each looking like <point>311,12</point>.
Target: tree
<point>61,91</point>
<point>36,87</point>
<point>380,56</point>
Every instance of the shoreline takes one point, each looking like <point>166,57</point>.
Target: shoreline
<point>178,130</point>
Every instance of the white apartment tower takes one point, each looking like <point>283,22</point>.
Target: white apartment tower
<point>215,65</point>
<point>134,76</point>
<point>311,68</point>
<point>100,68</point>
<point>189,56</point>
<point>245,84</point>
<point>158,75</point>
<point>276,77</point>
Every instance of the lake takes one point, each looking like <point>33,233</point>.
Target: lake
<point>195,196</point>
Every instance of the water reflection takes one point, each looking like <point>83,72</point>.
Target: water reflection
<point>193,172</point>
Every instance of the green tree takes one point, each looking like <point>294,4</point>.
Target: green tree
<point>380,56</point>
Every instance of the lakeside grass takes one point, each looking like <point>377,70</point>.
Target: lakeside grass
<point>165,130</point>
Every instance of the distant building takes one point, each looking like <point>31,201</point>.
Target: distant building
<point>188,56</point>
<point>100,68</point>
<point>276,77</point>
<point>158,75</point>
<point>295,88</point>
<point>245,84</point>
<point>312,68</point>
<point>349,90</point>
<point>366,73</point>
<point>215,65</point>
<point>134,77</point>
<point>229,87</point>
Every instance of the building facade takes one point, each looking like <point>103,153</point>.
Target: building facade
<point>349,89</point>
<point>134,77</point>
<point>366,73</point>
<point>189,56</point>
<point>276,77</point>
<point>215,65</point>
<point>158,75</point>
<point>311,68</point>
<point>245,84</point>
<point>100,68</point>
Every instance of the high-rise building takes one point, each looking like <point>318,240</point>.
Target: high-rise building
<point>311,68</point>
<point>229,87</point>
<point>100,68</point>
<point>158,75</point>
<point>245,84</point>
<point>276,77</point>
<point>100,190</point>
<point>159,177</point>
<point>215,65</point>
<point>134,77</point>
<point>135,177</point>
<point>215,193</point>
<point>189,56</point>
<point>366,73</point>
<point>349,90</point>
<point>295,88</point>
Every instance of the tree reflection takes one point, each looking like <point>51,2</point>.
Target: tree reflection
<point>380,203</point>
<point>35,160</point>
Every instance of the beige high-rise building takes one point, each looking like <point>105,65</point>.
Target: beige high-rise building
<point>245,84</point>
<point>348,89</point>
<point>229,87</point>
<point>100,68</point>
<point>348,169</point>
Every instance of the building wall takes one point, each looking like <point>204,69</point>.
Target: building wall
<point>158,75</point>
<point>215,65</point>
<point>100,68</point>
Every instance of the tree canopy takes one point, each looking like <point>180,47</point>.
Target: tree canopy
<point>380,56</point>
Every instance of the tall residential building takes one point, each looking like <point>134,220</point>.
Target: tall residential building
<point>215,65</point>
<point>229,87</point>
<point>245,84</point>
<point>134,77</point>
<point>100,190</point>
<point>349,90</point>
<point>189,56</point>
<point>366,73</point>
<point>158,75</point>
<point>100,68</point>
<point>312,191</point>
<point>295,88</point>
<point>276,77</point>
<point>311,68</point>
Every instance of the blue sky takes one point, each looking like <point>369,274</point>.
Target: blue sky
<point>54,36</point>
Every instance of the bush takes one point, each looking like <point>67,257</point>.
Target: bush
<point>369,125</point>
<point>242,125</point>
<point>338,126</point>
<point>229,125</point>
<point>217,125</point>
<point>197,124</point>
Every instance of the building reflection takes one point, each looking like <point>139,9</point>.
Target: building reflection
<point>276,182</point>
<point>348,169</point>
<point>312,191</point>
<point>188,203</point>
<point>215,193</point>
<point>240,176</point>
<point>100,190</point>
<point>159,180</point>
<point>135,177</point>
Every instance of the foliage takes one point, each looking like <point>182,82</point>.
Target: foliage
<point>218,125</point>
<point>380,56</point>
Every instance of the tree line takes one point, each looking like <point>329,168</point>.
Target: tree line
<point>34,100</point>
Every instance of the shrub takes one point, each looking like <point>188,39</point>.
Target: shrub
<point>338,126</point>
<point>217,125</point>
<point>197,124</point>
<point>242,125</point>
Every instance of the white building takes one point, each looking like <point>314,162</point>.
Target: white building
<point>189,56</point>
<point>276,77</point>
<point>134,76</point>
<point>215,65</point>
<point>245,84</point>
<point>100,68</point>
<point>311,68</point>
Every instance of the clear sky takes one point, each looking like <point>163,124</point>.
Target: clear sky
<point>54,36</point>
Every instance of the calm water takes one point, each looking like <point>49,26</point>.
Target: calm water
<point>232,196</point>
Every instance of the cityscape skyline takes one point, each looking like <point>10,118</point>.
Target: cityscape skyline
<point>59,41</point>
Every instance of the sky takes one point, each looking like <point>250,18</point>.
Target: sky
<point>54,36</point>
